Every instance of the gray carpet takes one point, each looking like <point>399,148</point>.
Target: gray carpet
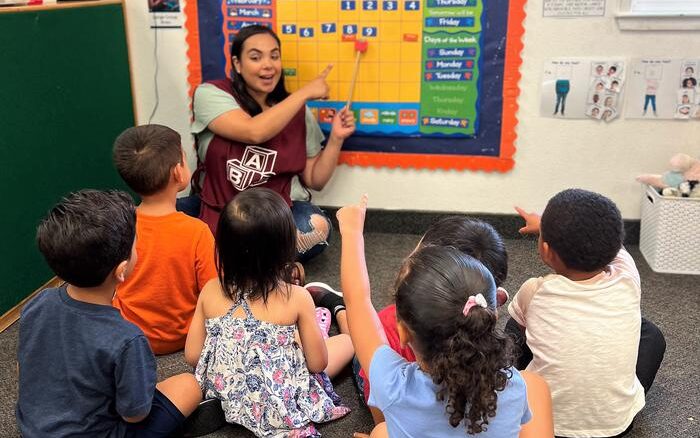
<point>671,301</point>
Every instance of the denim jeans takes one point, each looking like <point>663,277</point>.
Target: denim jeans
<point>650,99</point>
<point>561,100</point>
<point>189,205</point>
<point>301,210</point>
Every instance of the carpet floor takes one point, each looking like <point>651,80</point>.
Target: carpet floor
<point>671,301</point>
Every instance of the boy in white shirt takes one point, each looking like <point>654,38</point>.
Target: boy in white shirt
<point>582,324</point>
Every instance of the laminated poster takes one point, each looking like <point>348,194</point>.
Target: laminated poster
<point>579,88</point>
<point>664,88</point>
<point>165,14</point>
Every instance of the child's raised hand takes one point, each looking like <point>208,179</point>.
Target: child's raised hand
<point>532,221</point>
<point>351,218</point>
<point>343,124</point>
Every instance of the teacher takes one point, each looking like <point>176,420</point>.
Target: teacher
<point>251,132</point>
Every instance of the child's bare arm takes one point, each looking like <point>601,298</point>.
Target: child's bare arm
<point>365,328</point>
<point>312,342</point>
<point>532,222</point>
<point>197,332</point>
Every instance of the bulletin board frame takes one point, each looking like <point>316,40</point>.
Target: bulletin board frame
<point>506,136</point>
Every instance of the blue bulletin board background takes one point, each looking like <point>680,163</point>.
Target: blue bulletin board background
<point>490,145</point>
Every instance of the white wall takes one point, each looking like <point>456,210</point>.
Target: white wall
<point>170,54</point>
<point>551,155</point>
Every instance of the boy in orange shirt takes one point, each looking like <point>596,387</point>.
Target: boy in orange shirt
<point>176,251</point>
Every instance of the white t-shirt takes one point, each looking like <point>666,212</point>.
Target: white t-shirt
<point>210,102</point>
<point>584,337</point>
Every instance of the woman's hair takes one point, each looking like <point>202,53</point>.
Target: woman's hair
<point>240,92</point>
<point>255,244</point>
<point>464,355</point>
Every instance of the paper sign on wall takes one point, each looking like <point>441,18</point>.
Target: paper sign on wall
<point>165,14</point>
<point>664,89</point>
<point>578,88</point>
<point>574,8</point>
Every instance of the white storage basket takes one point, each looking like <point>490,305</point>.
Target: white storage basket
<point>670,233</point>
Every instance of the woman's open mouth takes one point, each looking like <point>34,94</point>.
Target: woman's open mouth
<point>267,79</point>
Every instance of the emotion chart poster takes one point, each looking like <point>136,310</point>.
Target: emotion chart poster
<point>664,88</point>
<point>436,88</point>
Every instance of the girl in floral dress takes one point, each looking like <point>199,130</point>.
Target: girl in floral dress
<point>251,323</point>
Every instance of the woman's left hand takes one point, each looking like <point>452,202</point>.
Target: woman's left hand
<point>343,124</point>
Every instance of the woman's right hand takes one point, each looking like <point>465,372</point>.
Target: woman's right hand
<point>318,88</point>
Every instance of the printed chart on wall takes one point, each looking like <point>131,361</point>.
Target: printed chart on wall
<point>437,85</point>
<point>579,88</point>
<point>664,89</point>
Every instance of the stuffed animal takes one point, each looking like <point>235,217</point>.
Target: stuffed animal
<point>681,180</point>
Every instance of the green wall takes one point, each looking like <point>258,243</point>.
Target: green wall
<point>65,95</point>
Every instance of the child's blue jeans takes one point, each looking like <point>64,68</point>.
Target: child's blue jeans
<point>301,210</point>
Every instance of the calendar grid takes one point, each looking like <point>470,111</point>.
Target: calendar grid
<point>419,75</point>
<point>323,32</point>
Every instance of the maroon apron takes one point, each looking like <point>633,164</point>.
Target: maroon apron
<point>231,167</point>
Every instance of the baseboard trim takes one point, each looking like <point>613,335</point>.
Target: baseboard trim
<point>12,315</point>
<point>416,222</point>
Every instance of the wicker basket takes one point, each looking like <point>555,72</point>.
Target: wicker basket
<point>670,233</point>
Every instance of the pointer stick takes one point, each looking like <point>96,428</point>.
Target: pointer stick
<point>360,48</point>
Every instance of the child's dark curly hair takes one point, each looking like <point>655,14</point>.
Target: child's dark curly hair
<point>584,228</point>
<point>465,356</point>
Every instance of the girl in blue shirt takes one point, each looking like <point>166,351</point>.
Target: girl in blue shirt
<point>463,382</point>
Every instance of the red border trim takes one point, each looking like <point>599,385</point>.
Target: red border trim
<point>194,66</point>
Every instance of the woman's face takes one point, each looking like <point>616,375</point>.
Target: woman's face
<point>260,64</point>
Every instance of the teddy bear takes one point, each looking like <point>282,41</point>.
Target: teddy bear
<point>682,180</point>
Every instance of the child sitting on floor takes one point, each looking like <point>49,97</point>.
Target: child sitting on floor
<point>84,370</point>
<point>462,381</point>
<point>176,251</point>
<point>582,323</point>
<point>242,337</point>
<point>471,237</point>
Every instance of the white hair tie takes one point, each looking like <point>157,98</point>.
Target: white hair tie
<point>477,300</point>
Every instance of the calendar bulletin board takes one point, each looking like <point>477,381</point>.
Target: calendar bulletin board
<point>437,87</point>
